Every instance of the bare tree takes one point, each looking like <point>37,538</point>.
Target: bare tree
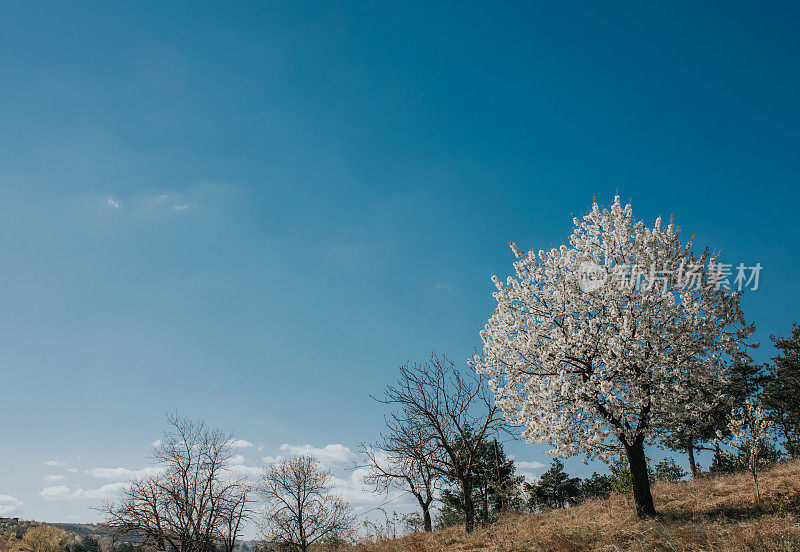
<point>301,507</point>
<point>234,511</point>
<point>452,410</point>
<point>403,460</point>
<point>193,501</point>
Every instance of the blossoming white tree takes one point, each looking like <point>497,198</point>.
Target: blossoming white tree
<point>602,343</point>
<point>750,427</point>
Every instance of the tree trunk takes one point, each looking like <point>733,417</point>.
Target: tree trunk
<point>754,464</point>
<point>499,483</point>
<point>692,464</point>
<point>425,506</point>
<point>485,493</point>
<point>640,479</point>
<point>791,440</point>
<point>755,485</point>
<point>426,518</point>
<point>469,506</point>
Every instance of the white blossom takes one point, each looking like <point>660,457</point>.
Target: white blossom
<point>749,426</point>
<point>590,368</point>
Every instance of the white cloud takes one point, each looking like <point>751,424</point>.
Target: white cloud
<point>534,465</point>
<point>57,492</point>
<point>239,443</point>
<point>53,463</point>
<point>248,472</point>
<point>123,473</point>
<point>525,465</point>
<point>52,478</point>
<point>156,443</point>
<point>62,492</point>
<point>356,492</point>
<point>529,477</point>
<point>239,468</point>
<point>9,505</point>
<point>72,470</point>
<point>328,453</point>
<point>175,202</point>
<point>106,491</point>
<point>444,287</point>
<point>348,484</point>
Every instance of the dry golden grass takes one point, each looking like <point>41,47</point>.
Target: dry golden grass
<point>713,514</point>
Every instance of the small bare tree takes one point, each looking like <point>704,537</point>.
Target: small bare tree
<point>403,460</point>
<point>234,511</point>
<point>301,507</point>
<point>449,408</point>
<point>193,502</point>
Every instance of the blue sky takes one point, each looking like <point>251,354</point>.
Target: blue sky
<point>254,212</point>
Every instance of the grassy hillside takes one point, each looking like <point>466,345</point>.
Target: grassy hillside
<point>711,514</point>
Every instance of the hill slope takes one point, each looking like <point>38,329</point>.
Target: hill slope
<point>711,514</point>
<point>88,529</point>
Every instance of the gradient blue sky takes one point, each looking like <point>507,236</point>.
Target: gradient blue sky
<point>254,212</point>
